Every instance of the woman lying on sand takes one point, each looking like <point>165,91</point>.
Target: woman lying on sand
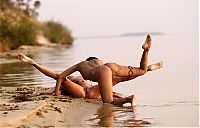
<point>78,87</point>
<point>76,80</point>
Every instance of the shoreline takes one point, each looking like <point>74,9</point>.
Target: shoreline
<point>43,110</point>
<point>11,56</point>
<point>42,42</point>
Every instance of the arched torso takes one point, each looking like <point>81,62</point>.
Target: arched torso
<point>86,68</point>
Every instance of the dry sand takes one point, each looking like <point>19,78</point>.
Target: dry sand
<point>17,109</point>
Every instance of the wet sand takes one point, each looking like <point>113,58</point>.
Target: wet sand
<point>16,109</point>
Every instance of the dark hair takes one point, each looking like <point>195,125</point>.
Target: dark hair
<point>91,58</point>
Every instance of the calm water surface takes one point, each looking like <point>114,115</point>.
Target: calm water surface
<point>166,97</point>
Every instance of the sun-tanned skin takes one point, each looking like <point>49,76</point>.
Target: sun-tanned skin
<point>74,84</point>
<point>95,70</point>
<point>71,84</point>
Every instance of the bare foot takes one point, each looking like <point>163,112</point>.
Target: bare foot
<point>147,43</point>
<point>155,66</point>
<point>25,59</point>
<point>133,102</point>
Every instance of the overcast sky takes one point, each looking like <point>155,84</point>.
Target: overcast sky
<point>105,17</point>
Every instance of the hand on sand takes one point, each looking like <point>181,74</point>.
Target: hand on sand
<point>59,95</point>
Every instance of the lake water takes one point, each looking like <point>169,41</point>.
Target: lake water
<point>168,97</point>
<point>165,97</point>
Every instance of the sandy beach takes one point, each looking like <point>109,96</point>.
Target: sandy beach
<point>42,111</point>
<point>19,110</point>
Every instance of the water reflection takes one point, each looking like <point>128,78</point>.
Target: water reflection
<point>108,115</point>
<point>15,74</point>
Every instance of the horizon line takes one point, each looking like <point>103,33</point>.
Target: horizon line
<point>120,35</point>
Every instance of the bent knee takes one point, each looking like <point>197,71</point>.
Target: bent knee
<point>142,72</point>
<point>104,71</point>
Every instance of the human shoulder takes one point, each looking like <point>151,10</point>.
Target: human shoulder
<point>81,64</point>
<point>97,61</point>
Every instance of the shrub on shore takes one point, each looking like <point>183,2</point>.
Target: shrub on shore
<point>21,32</point>
<point>17,28</point>
<point>55,32</point>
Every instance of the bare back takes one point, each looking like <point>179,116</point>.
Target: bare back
<point>86,68</point>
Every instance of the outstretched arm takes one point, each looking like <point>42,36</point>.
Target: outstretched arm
<point>62,76</point>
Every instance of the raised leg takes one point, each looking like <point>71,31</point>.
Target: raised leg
<point>41,68</point>
<point>129,71</point>
<point>144,60</point>
<point>152,67</point>
<point>73,88</point>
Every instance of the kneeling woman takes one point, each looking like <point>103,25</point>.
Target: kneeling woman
<point>75,86</point>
